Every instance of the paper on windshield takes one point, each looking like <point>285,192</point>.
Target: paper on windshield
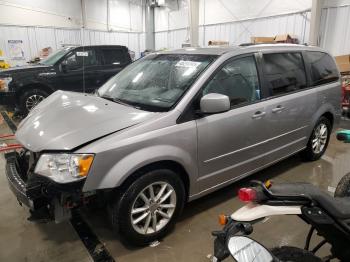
<point>188,64</point>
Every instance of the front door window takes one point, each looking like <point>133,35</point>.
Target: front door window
<point>238,80</point>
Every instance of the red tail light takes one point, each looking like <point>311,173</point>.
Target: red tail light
<point>247,194</point>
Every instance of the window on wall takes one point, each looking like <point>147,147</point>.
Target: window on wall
<point>322,67</point>
<point>238,80</point>
<point>284,72</point>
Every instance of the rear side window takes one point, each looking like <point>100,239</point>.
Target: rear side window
<point>322,68</point>
<point>114,56</point>
<point>285,73</point>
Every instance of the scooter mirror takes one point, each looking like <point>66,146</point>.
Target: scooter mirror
<point>245,249</point>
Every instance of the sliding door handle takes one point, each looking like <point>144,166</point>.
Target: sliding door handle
<point>278,109</point>
<point>258,114</point>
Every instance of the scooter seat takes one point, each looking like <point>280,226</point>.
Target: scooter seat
<point>336,207</point>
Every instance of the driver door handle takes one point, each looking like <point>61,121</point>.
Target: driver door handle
<point>278,109</point>
<point>258,114</point>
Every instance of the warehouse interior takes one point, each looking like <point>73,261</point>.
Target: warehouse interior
<point>33,31</point>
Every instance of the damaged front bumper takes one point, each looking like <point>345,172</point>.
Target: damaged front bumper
<point>46,200</point>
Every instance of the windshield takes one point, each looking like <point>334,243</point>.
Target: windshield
<point>156,82</point>
<point>55,56</point>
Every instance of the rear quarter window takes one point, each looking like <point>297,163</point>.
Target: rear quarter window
<point>113,56</point>
<point>323,70</point>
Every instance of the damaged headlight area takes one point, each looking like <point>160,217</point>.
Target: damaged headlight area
<point>4,83</point>
<point>64,168</point>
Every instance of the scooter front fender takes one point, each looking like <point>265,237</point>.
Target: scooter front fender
<point>251,212</point>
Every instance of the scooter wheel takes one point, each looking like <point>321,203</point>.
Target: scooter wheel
<point>343,187</point>
<point>294,254</point>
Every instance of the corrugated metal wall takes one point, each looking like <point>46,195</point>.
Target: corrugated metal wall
<point>36,38</point>
<point>240,32</point>
<point>335,30</point>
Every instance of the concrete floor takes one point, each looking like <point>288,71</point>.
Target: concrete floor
<point>191,240</point>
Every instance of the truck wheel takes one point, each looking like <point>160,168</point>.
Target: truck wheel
<point>148,208</point>
<point>294,254</point>
<point>318,141</point>
<point>31,98</point>
<point>343,187</point>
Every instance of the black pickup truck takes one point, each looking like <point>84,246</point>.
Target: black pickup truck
<point>72,68</point>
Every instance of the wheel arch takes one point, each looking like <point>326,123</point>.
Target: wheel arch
<point>29,86</point>
<point>329,116</point>
<point>162,164</point>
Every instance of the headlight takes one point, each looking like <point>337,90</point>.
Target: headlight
<point>64,168</point>
<point>4,84</point>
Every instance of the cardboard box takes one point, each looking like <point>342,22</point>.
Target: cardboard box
<point>286,38</point>
<point>343,63</point>
<point>262,40</point>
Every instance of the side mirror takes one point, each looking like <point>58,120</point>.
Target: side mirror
<point>63,66</point>
<point>214,103</point>
<point>245,249</point>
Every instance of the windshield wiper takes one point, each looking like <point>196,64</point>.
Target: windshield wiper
<point>117,100</point>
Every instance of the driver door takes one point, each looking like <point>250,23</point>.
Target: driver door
<point>232,144</point>
<point>80,71</point>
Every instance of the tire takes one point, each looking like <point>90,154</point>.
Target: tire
<point>131,199</point>
<point>294,254</point>
<point>29,99</point>
<point>310,153</point>
<point>343,187</point>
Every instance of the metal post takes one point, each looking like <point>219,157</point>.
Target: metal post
<point>83,13</point>
<point>315,21</point>
<point>194,22</point>
<point>149,26</point>
<point>108,17</point>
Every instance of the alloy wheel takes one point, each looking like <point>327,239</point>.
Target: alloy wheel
<point>153,208</point>
<point>320,138</point>
<point>33,100</point>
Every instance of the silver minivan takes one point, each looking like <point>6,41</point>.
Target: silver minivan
<point>172,127</point>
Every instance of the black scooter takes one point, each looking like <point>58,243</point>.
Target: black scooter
<point>328,216</point>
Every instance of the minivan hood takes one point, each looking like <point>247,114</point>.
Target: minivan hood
<point>66,120</point>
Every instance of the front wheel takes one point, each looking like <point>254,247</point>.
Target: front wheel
<point>294,254</point>
<point>31,98</point>
<point>148,209</point>
<point>318,141</point>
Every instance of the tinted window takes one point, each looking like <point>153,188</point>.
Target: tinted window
<point>322,67</point>
<point>114,56</point>
<point>238,80</point>
<point>285,72</point>
<point>78,59</point>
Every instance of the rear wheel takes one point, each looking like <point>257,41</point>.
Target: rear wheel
<point>31,98</point>
<point>318,141</point>
<point>343,187</point>
<point>294,254</point>
<point>148,209</point>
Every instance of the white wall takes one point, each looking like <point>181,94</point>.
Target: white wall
<point>235,21</point>
<point>55,13</point>
<point>125,15</point>
<point>335,30</point>
<point>51,23</point>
